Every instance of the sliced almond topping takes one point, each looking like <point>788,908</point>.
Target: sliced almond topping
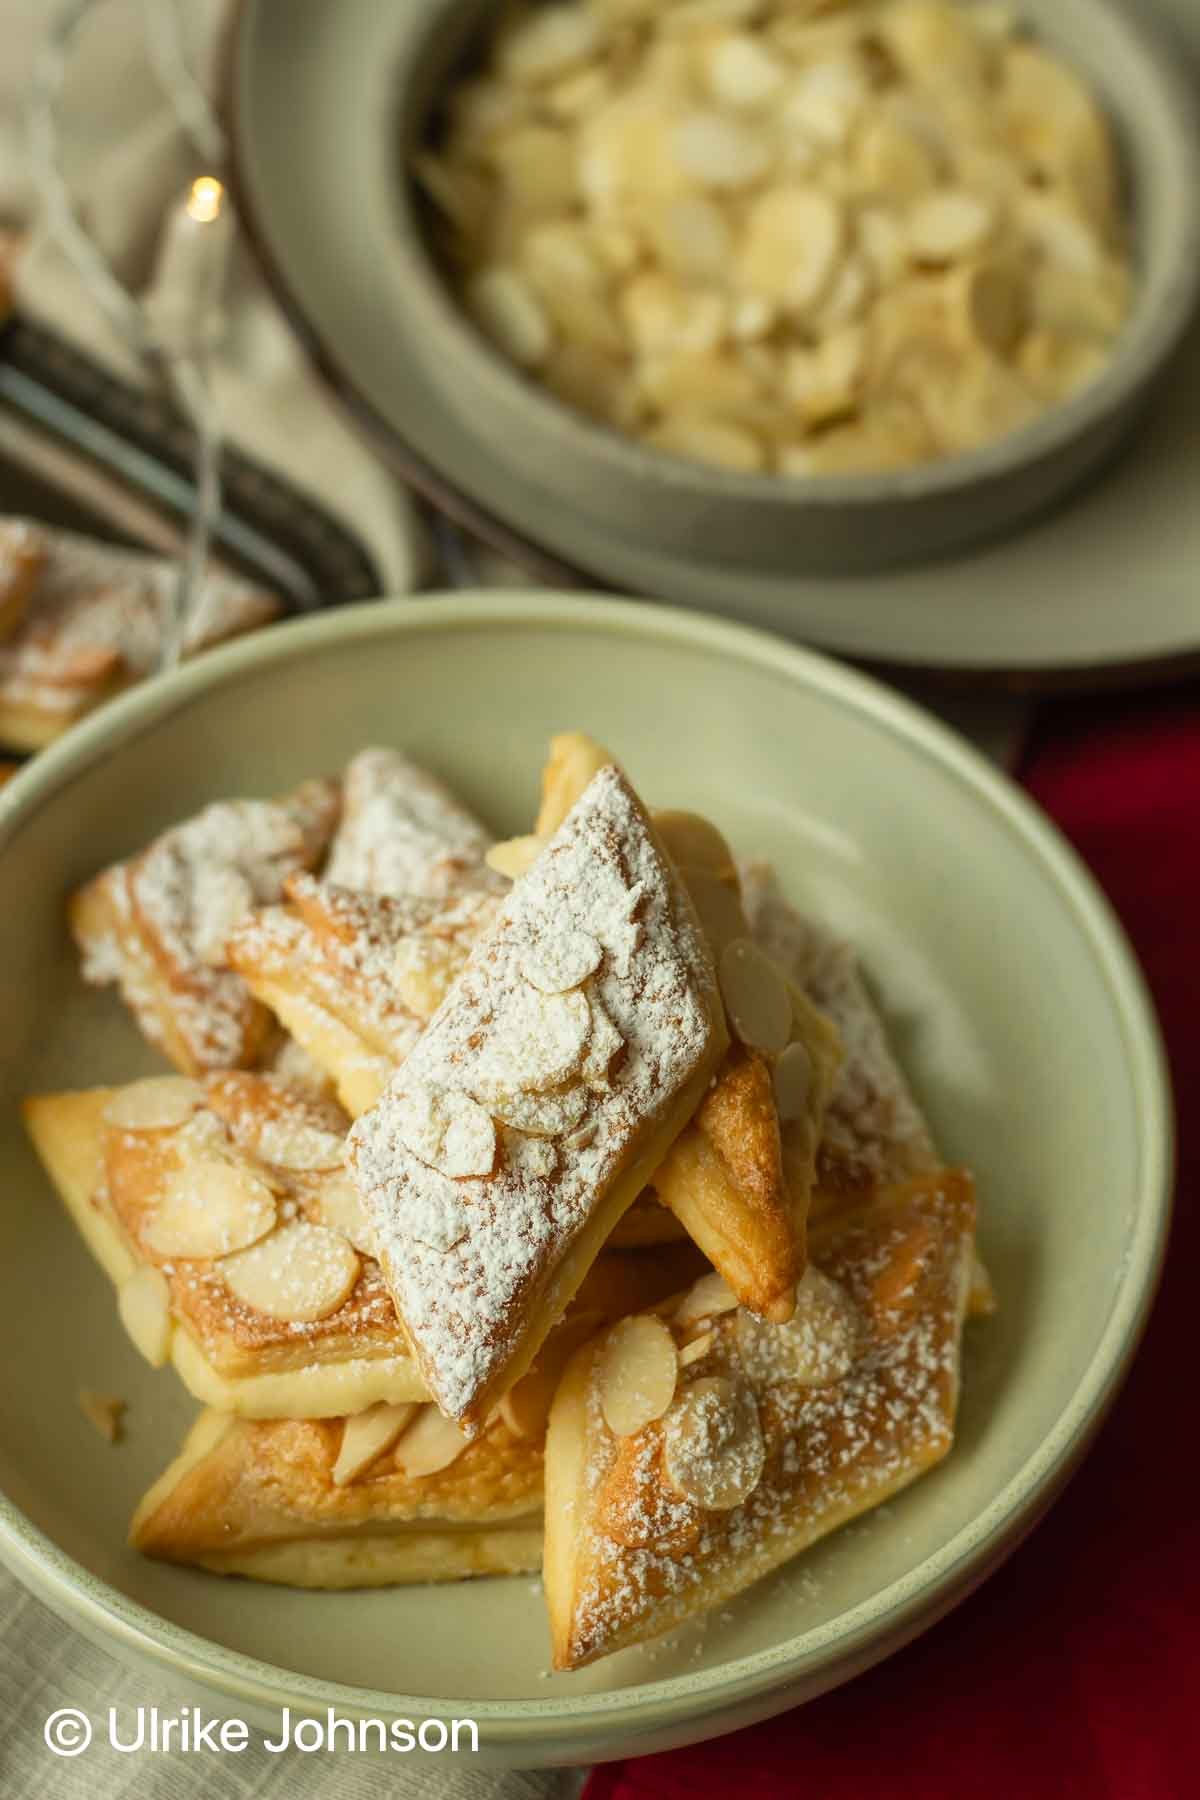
<point>793,1083</point>
<point>707,1298</point>
<point>526,1407</point>
<point>446,1129</point>
<point>536,1042</point>
<point>431,1443</point>
<point>993,304</point>
<point>719,907</point>
<point>341,1208</point>
<point>558,962</point>
<point>756,997</point>
<point>794,245</point>
<point>697,1349</point>
<point>159,1104</point>
<point>511,314</point>
<point>144,1303</point>
<point>292,1143</point>
<point>548,42</point>
<point>713,1451</point>
<point>366,1436</point>
<point>949,225</point>
<point>514,856</point>
<point>636,1374</point>
<point>535,1158</point>
<point>603,1046</point>
<point>718,152</point>
<point>817,1346</point>
<point>542,1115</point>
<point>301,1272</point>
<point>209,1208</point>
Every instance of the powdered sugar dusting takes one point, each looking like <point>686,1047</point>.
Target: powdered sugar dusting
<point>403,832</point>
<point>338,949</point>
<point>831,1451</point>
<point>873,1128</point>
<point>465,1257</point>
<point>96,616</point>
<point>174,907</point>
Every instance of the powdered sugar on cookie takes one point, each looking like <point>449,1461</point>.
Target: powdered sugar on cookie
<point>468,1258</point>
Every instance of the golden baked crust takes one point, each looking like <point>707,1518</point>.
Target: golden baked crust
<point>327,962</point>
<point>259,1498</point>
<point>811,1423</point>
<point>228,1354</point>
<point>158,924</point>
<point>114,1181</point>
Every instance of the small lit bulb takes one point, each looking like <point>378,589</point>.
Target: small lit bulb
<point>184,300</point>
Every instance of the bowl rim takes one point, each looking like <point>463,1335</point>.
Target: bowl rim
<point>878,1624</point>
<point>1163,307</point>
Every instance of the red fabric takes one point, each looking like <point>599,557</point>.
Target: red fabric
<point>1073,1673</point>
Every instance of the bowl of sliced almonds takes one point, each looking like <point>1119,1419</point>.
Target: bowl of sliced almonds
<point>808,287</point>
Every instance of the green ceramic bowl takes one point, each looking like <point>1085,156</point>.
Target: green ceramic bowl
<point>1014,1001</point>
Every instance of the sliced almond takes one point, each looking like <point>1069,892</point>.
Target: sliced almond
<point>716,151</point>
<point>828,99</point>
<point>949,225</point>
<point>636,1373</point>
<point>742,72</point>
<point>560,961</point>
<point>795,237</point>
<point>526,1407</point>
<point>535,1042</point>
<point>300,1273</point>
<point>511,314</point>
<point>158,1104</point>
<point>712,441</point>
<point>756,997</point>
<point>697,1349</point>
<point>707,1298</point>
<point>692,237</point>
<point>991,304</point>
<point>530,1156</point>
<point>366,1436</point>
<point>793,1083</point>
<point>208,1208</point>
<point>294,1143</point>
<point>718,905</point>
<point>542,1115</point>
<point>446,1129</point>
<point>713,1450</point>
<point>604,1044</point>
<point>342,1208</point>
<point>816,1347</point>
<point>548,42</point>
<point>431,1443</point>
<point>144,1303</point>
<point>894,162</point>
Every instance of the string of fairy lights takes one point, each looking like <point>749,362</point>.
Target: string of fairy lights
<point>173,326</point>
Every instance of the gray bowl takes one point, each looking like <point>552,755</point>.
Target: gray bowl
<point>825,524</point>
